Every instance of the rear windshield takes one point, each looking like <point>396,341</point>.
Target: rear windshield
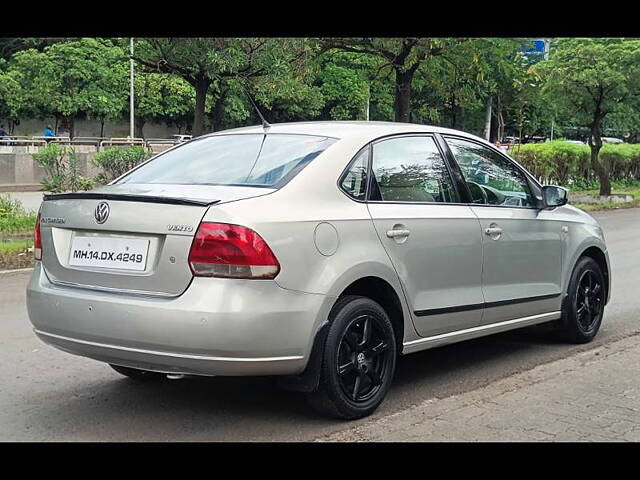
<point>262,160</point>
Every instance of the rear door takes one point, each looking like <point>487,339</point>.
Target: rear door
<point>433,241</point>
<point>522,250</point>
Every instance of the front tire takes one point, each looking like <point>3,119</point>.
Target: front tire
<point>584,305</point>
<point>359,359</point>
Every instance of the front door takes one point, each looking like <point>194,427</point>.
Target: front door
<point>522,248</point>
<point>434,242</point>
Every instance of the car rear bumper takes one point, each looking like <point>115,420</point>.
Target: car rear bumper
<point>216,327</point>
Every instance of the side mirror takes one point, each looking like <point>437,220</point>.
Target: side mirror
<point>553,196</point>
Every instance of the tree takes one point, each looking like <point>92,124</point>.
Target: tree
<point>70,79</point>
<point>590,79</point>
<point>343,86</point>
<point>13,104</point>
<point>161,97</point>
<point>402,55</point>
<point>207,63</point>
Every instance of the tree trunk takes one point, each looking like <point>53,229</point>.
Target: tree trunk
<point>70,123</point>
<point>138,129</point>
<point>403,95</point>
<point>601,169</point>
<point>218,110</point>
<point>201,84</point>
<point>453,111</point>
<point>603,173</point>
<point>500,125</point>
<point>101,128</point>
<point>493,134</point>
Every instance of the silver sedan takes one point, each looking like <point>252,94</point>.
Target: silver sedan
<point>317,252</point>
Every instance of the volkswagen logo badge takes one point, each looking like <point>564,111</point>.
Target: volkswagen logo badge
<point>102,212</point>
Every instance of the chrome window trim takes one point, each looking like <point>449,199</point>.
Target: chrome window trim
<point>434,135</point>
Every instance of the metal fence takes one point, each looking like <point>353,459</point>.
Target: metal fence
<point>98,142</point>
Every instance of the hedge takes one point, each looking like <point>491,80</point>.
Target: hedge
<point>117,161</point>
<point>565,163</point>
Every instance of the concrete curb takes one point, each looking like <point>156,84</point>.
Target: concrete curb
<point>17,270</point>
<point>20,187</point>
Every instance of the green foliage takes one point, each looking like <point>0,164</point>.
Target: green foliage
<point>86,76</point>
<point>17,246</point>
<point>569,164</point>
<point>590,79</point>
<point>162,97</point>
<point>593,76</point>
<point>13,218</point>
<point>211,65</point>
<point>344,91</point>
<point>62,169</point>
<point>116,161</point>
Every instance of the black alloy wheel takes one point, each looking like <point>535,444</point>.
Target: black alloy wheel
<point>583,306</point>
<point>358,361</point>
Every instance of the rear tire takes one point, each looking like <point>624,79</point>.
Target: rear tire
<point>584,305</point>
<point>359,359</point>
<point>136,374</point>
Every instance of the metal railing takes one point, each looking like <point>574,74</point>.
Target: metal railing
<point>98,142</point>
<point>88,140</point>
<point>55,139</point>
<point>122,141</point>
<point>15,140</point>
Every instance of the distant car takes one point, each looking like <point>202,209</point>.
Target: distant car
<point>577,142</point>
<point>612,140</point>
<point>182,138</point>
<point>316,251</point>
<point>510,140</point>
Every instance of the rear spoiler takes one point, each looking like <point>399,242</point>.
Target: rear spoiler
<point>129,198</point>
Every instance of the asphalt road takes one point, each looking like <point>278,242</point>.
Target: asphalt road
<point>46,394</point>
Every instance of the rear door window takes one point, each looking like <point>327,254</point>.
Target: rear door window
<point>354,181</point>
<point>410,169</point>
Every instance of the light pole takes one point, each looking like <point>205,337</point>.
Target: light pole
<point>368,99</point>
<point>487,118</point>
<point>131,97</point>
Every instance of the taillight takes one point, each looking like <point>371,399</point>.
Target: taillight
<point>231,251</point>
<point>37,240</point>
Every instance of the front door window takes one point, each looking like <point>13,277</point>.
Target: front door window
<point>491,178</point>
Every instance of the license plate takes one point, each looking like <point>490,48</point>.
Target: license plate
<point>104,252</point>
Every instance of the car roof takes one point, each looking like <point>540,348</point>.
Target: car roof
<point>346,129</point>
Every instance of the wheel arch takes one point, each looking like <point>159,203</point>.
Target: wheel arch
<point>601,259</point>
<point>382,292</point>
<point>377,288</point>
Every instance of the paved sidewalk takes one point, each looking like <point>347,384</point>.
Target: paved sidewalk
<point>591,396</point>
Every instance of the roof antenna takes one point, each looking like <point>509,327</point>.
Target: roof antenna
<point>266,125</point>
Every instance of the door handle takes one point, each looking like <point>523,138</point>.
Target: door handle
<point>494,231</point>
<point>398,233</point>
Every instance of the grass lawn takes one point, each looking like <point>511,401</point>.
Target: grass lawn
<point>588,207</point>
<point>16,234</point>
<point>15,246</point>
<point>16,254</point>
